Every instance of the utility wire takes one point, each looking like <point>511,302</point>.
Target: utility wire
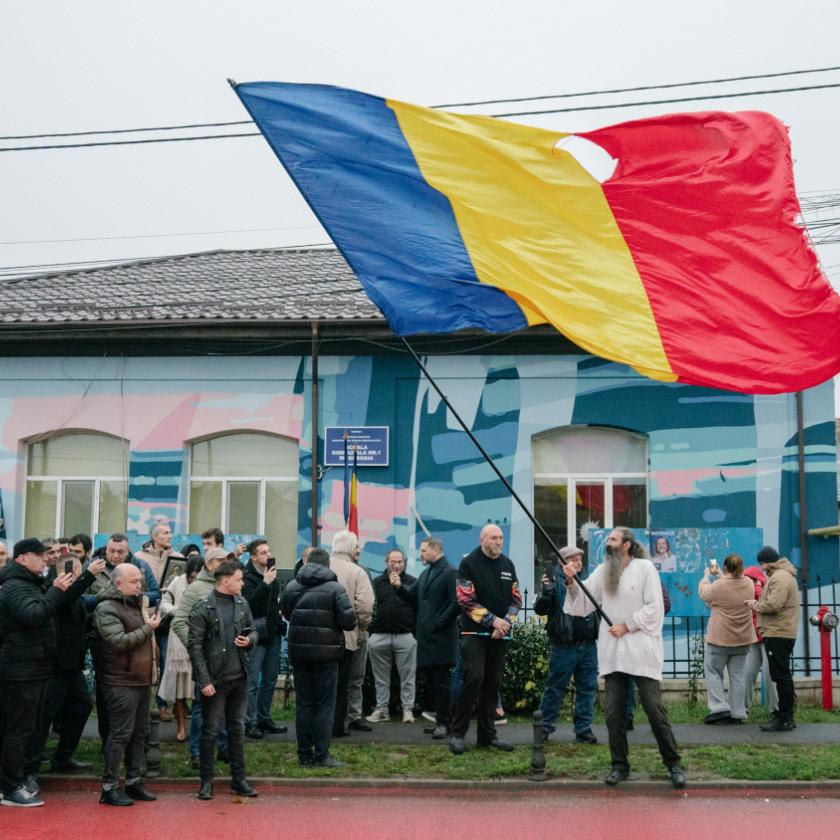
<point>127,130</point>
<point>635,89</point>
<point>155,235</point>
<point>446,105</point>
<point>128,142</point>
<point>507,114</point>
<point>666,101</point>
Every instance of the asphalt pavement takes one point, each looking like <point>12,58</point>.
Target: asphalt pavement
<point>406,734</point>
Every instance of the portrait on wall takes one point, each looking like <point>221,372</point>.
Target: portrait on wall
<point>663,550</point>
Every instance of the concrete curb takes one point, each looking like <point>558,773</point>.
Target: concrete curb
<point>318,785</point>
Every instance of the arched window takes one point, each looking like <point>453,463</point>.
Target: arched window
<point>587,476</point>
<point>76,482</point>
<point>247,483</point>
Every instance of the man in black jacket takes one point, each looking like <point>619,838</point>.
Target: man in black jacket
<point>221,634</point>
<point>392,639</point>
<point>28,650</point>
<point>574,651</point>
<point>319,612</point>
<point>437,629</point>
<point>261,590</point>
<point>67,691</point>
<point>488,595</point>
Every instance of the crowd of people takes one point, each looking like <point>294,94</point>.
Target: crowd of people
<point>206,644</point>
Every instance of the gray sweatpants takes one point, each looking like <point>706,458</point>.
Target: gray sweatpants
<point>384,648</point>
<point>734,660</point>
<point>757,661</point>
<point>355,680</point>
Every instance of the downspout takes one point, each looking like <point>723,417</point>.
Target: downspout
<point>803,528</point>
<point>315,426</point>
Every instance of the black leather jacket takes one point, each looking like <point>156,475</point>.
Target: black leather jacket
<point>564,629</point>
<point>206,645</point>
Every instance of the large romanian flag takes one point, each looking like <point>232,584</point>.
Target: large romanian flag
<point>688,263</point>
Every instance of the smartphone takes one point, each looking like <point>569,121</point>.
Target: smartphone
<point>246,631</point>
<point>713,564</point>
<point>548,571</point>
<point>68,567</point>
<point>271,563</point>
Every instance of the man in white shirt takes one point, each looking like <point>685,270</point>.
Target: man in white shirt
<point>628,587</point>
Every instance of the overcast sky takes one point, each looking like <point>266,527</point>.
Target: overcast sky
<point>110,65</point>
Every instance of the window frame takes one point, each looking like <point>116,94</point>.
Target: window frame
<point>227,480</point>
<point>61,480</point>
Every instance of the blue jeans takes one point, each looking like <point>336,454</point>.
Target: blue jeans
<point>262,680</point>
<point>197,723</point>
<point>567,661</point>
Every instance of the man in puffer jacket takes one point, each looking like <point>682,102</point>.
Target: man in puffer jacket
<point>319,612</point>
<point>28,650</point>
<point>778,621</point>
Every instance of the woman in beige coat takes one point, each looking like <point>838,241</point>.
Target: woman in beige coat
<point>730,633</point>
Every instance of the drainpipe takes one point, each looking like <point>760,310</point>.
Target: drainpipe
<point>803,528</point>
<point>314,521</point>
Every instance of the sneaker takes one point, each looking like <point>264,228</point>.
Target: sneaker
<point>114,796</point>
<point>359,726</point>
<point>22,798</point>
<point>408,717</point>
<point>439,733</point>
<point>500,719</point>
<point>329,761</point>
<point>429,716</point>
<point>31,784</point>
<point>378,716</point>
<point>586,737</point>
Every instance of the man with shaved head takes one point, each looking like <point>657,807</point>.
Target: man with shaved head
<point>126,667</point>
<point>488,596</point>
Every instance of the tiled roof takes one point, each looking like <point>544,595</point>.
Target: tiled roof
<point>265,285</point>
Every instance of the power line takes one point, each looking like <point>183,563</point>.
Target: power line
<point>127,142</point>
<point>663,86</point>
<point>638,88</point>
<point>127,130</point>
<point>507,114</point>
<point>666,101</point>
<point>155,235</point>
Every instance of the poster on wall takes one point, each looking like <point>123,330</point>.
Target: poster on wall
<point>682,554</point>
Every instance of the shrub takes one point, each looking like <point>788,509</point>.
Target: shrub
<point>526,668</point>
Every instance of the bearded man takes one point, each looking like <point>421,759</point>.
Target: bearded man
<point>628,585</point>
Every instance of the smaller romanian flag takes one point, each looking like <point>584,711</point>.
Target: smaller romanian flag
<point>353,517</point>
<point>351,514</point>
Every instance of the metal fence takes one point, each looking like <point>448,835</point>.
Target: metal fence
<point>682,636</point>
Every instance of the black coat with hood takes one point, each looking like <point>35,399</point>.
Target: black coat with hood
<point>28,633</point>
<point>319,612</point>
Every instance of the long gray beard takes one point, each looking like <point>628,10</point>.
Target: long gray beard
<point>613,573</point>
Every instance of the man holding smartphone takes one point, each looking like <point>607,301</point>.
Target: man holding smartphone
<point>220,636</point>
<point>262,591</point>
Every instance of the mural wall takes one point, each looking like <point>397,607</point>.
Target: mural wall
<point>717,460</point>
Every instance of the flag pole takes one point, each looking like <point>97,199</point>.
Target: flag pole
<point>543,533</point>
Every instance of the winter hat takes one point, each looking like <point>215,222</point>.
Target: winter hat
<point>768,554</point>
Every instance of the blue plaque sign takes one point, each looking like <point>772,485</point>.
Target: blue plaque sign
<point>370,443</point>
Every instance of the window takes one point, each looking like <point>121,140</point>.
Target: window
<point>76,482</point>
<point>584,477</point>
<point>247,483</point>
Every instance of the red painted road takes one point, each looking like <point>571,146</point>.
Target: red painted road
<point>394,814</point>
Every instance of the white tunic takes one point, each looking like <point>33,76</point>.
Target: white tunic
<point>638,604</point>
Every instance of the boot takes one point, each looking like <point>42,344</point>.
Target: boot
<point>180,710</point>
<point>779,723</point>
